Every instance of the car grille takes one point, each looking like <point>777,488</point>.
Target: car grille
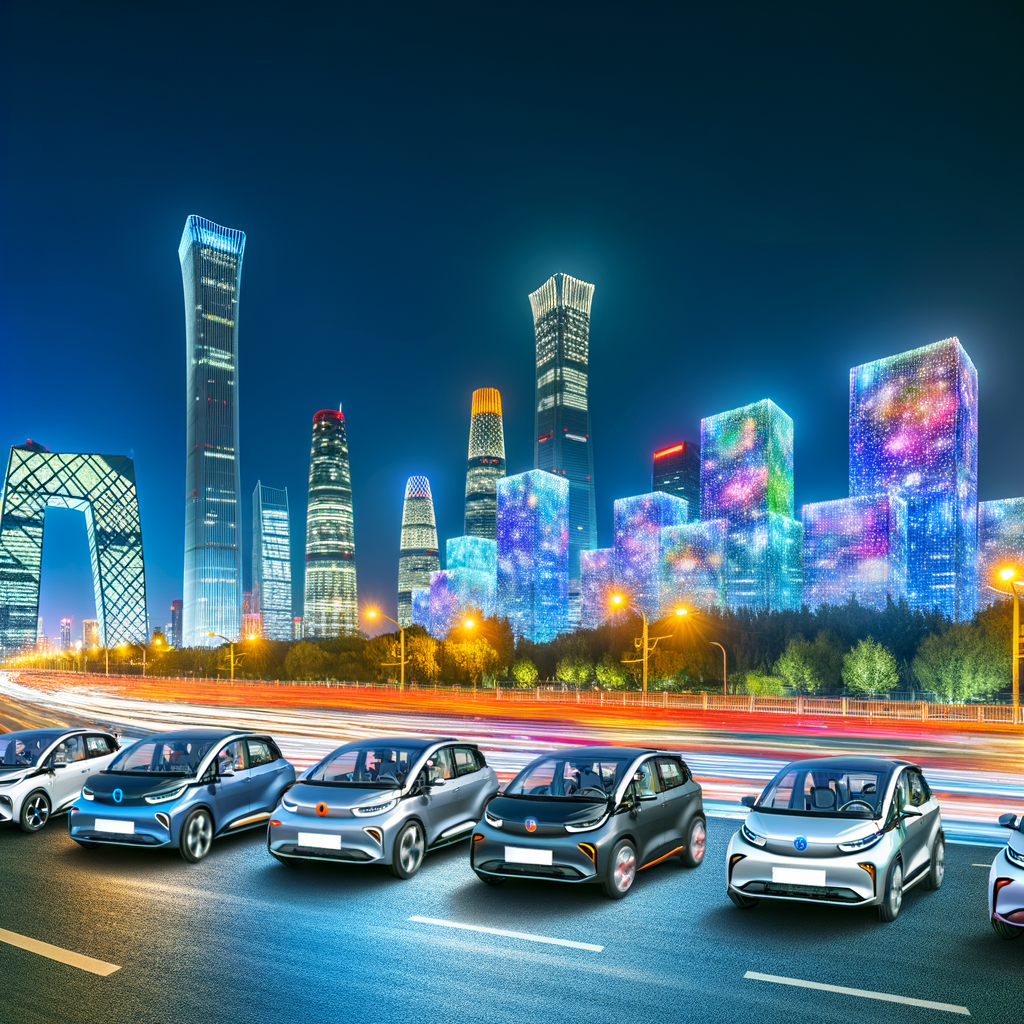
<point>139,839</point>
<point>315,851</point>
<point>827,893</point>
<point>502,867</point>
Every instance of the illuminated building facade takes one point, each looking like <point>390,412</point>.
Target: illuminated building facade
<point>176,623</point>
<point>329,606</point>
<point>211,273</point>
<point>1000,546</point>
<point>473,573</point>
<point>101,486</point>
<point>272,561</point>
<point>297,627</point>
<point>914,432</point>
<point>421,607</point>
<point>444,604</point>
<point>486,464</point>
<point>765,564</point>
<point>90,634</point>
<point>418,552</point>
<point>855,547</point>
<point>533,554</point>
<point>251,624</point>
<point>65,634</point>
<point>638,524</point>
<point>562,441</point>
<point>694,564</point>
<point>597,582</point>
<point>677,471</point>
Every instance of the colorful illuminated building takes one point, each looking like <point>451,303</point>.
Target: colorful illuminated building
<point>252,626</point>
<point>486,463</point>
<point>694,564</point>
<point>637,544</point>
<point>1000,546</point>
<point>272,561</point>
<point>418,552</point>
<point>562,441</point>
<point>444,604</point>
<point>914,432</point>
<point>297,627</point>
<point>855,547</point>
<point>533,554</point>
<point>764,564</point>
<point>597,582</point>
<point>211,273</point>
<point>329,607</point>
<point>473,573</point>
<point>421,607</point>
<point>677,471</point>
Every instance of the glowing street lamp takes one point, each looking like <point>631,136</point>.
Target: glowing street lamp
<point>374,613</point>
<point>231,654</point>
<point>644,644</point>
<point>1009,575</point>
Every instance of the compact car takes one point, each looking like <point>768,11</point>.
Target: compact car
<point>182,789</point>
<point>851,831</point>
<point>594,814</point>
<point>1006,883</point>
<point>42,771</point>
<point>383,801</point>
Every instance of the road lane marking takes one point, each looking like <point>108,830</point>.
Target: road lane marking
<point>928,1004</point>
<point>981,865</point>
<point>64,956</point>
<point>507,934</point>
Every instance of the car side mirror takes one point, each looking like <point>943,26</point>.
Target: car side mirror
<point>909,812</point>
<point>58,764</point>
<point>1008,820</point>
<point>748,801</point>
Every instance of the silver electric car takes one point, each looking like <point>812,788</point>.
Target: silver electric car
<point>383,801</point>
<point>851,831</point>
<point>1006,883</point>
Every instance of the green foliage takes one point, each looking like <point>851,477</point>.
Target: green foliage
<point>574,664</point>
<point>870,668</point>
<point>967,660</point>
<point>524,672</point>
<point>611,673</point>
<point>811,666</point>
<point>305,661</point>
<point>761,684</point>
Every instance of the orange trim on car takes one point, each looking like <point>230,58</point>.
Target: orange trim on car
<point>477,836</point>
<point>999,883</point>
<point>872,871</point>
<point>275,822</point>
<point>658,860</point>
<point>590,851</point>
<point>375,834</point>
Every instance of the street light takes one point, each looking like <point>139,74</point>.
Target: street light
<point>644,644</point>
<point>725,671</point>
<point>231,654</point>
<point>1009,575</point>
<point>373,613</point>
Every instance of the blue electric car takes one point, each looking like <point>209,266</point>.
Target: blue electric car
<point>182,789</point>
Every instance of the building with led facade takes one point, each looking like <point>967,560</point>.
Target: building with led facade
<point>764,561</point>
<point>533,554</point>
<point>473,573</point>
<point>444,604</point>
<point>418,550</point>
<point>103,488</point>
<point>694,564</point>
<point>855,547</point>
<point>421,607</point>
<point>486,463</point>
<point>562,441</point>
<point>252,625</point>
<point>914,432</point>
<point>211,273</point>
<point>677,471</point>
<point>329,606</point>
<point>597,582</point>
<point>272,561</point>
<point>1000,546</point>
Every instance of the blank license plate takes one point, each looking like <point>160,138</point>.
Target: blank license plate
<point>524,855</point>
<point>319,841</point>
<point>798,876</point>
<point>125,828</point>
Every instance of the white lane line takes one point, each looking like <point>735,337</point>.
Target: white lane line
<point>981,865</point>
<point>64,956</point>
<point>928,1004</point>
<point>509,935</point>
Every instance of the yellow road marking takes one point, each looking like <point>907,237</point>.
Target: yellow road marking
<point>64,956</point>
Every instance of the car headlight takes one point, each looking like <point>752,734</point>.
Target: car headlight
<point>1014,857</point>
<point>588,826</point>
<point>87,793</point>
<point>492,820</point>
<point>164,798</point>
<point>856,845</point>
<point>752,837</point>
<point>289,806</point>
<point>388,805</point>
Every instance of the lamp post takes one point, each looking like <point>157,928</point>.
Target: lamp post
<point>231,655</point>
<point>1010,576</point>
<point>725,671</point>
<point>373,613</point>
<point>645,644</point>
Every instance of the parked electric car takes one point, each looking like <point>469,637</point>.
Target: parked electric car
<point>852,831</point>
<point>383,801</point>
<point>1006,883</point>
<point>595,814</point>
<point>42,771</point>
<point>182,789</point>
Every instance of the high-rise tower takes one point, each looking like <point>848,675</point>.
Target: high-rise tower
<point>330,586</point>
<point>417,557</point>
<point>562,442</point>
<point>211,273</point>
<point>486,463</point>
<point>272,561</point>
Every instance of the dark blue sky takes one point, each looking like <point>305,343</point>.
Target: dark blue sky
<point>763,195</point>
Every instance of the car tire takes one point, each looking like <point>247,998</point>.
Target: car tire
<point>1006,931</point>
<point>741,901</point>
<point>892,893</point>
<point>696,844</point>
<point>620,874</point>
<point>489,879</point>
<point>196,835</point>
<point>35,812</point>
<point>937,870</point>
<point>408,851</point>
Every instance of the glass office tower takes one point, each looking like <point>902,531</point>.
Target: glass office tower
<point>330,607</point>
<point>562,441</point>
<point>272,561</point>
<point>211,274</point>
<point>418,553</point>
<point>677,471</point>
<point>486,463</point>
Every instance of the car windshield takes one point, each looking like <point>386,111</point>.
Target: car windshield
<point>178,756</point>
<point>23,749</point>
<point>838,790</point>
<point>578,778</point>
<point>359,764</point>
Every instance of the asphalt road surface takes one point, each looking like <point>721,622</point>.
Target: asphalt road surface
<point>238,937</point>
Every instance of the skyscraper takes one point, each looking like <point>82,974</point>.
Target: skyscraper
<point>1000,546</point>
<point>417,555</point>
<point>211,273</point>
<point>472,568</point>
<point>330,586</point>
<point>597,581</point>
<point>694,563</point>
<point>90,634</point>
<point>65,634</point>
<point>176,631</point>
<point>486,463</point>
<point>272,561</point>
<point>562,442</point>
<point>677,471</point>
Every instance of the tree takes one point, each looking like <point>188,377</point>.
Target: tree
<point>870,668</point>
<point>574,664</point>
<point>611,673</point>
<point>468,660</point>
<point>967,660</point>
<point>305,661</point>
<point>798,667</point>
<point>761,684</point>
<point>422,652</point>
<point>524,672</point>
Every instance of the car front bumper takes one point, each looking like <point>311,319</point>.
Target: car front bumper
<point>574,857</point>
<point>368,840</point>
<point>1007,904</point>
<point>108,823</point>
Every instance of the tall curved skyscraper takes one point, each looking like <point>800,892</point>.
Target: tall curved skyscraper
<point>330,605</point>
<point>562,442</point>
<point>486,464</point>
<point>417,556</point>
<point>211,274</point>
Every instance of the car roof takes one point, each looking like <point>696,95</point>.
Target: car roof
<point>201,733</point>
<point>617,752</point>
<point>401,741</point>
<point>50,734</point>
<point>855,762</point>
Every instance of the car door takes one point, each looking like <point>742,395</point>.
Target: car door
<point>231,784</point>
<point>442,798</point>
<point>268,775</point>
<point>650,822</point>
<point>70,770</point>
<point>471,772</point>
<point>920,831</point>
<point>676,795</point>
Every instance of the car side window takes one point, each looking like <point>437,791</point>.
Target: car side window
<point>902,795</point>
<point>72,749</point>
<point>465,761</point>
<point>259,753</point>
<point>648,784</point>
<point>230,758</point>
<point>98,746</point>
<point>439,765</point>
<point>919,792</point>
<point>671,772</point>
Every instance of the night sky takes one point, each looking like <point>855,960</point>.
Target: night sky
<point>764,195</point>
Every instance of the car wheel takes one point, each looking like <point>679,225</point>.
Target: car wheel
<point>489,879</point>
<point>35,812</point>
<point>85,844</point>
<point>892,894</point>
<point>938,869</point>
<point>407,855</point>
<point>621,870</point>
<point>1006,931</point>
<point>741,901</point>
<point>196,835</point>
<point>696,843</point>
